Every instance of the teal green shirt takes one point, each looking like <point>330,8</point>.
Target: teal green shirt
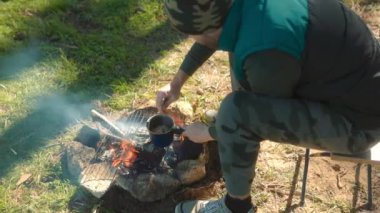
<point>257,25</point>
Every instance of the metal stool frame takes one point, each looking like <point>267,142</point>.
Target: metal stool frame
<point>304,181</point>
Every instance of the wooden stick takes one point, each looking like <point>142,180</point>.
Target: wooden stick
<point>96,114</point>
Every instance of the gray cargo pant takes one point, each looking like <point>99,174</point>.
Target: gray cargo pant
<point>245,119</point>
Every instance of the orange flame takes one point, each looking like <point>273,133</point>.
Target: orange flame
<point>127,156</point>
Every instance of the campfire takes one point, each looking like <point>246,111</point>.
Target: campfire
<point>124,155</point>
<point>121,152</point>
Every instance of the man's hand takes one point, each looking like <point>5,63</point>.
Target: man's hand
<point>198,133</point>
<point>165,96</point>
<point>170,93</point>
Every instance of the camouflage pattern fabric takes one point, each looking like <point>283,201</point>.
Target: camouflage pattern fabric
<point>196,16</point>
<point>245,119</point>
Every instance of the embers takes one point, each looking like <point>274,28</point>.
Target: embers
<point>132,152</point>
<point>124,154</point>
<point>130,158</point>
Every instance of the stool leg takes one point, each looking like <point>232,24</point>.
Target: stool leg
<point>369,179</point>
<point>304,179</point>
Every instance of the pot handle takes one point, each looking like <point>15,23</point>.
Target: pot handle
<point>178,130</point>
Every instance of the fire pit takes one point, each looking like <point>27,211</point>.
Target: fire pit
<point>121,153</point>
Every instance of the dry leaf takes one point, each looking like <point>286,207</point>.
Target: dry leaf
<point>23,179</point>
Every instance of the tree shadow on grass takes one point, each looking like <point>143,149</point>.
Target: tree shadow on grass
<point>95,39</point>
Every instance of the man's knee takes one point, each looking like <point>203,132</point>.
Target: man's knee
<point>228,111</point>
<point>243,108</point>
<point>236,117</point>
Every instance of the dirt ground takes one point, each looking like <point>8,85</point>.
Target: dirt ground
<point>332,186</point>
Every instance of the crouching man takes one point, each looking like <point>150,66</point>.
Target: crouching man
<point>304,72</point>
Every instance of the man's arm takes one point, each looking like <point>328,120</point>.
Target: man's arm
<point>196,56</point>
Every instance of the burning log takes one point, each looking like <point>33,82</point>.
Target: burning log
<point>124,155</point>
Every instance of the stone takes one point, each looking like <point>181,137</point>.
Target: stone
<point>184,108</point>
<point>210,116</point>
<point>190,171</point>
<point>97,178</point>
<point>149,187</point>
<point>77,158</point>
<point>88,136</point>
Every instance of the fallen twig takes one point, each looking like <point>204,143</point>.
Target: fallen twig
<point>51,145</point>
<point>338,182</point>
<point>13,151</point>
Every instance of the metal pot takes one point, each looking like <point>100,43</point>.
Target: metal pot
<point>162,129</point>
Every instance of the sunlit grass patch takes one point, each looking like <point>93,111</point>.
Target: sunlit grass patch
<point>87,50</point>
<point>47,188</point>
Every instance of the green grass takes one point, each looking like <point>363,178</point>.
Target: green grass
<point>47,191</point>
<point>56,57</point>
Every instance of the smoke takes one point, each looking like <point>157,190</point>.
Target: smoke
<point>19,60</point>
<point>62,108</point>
<point>50,117</point>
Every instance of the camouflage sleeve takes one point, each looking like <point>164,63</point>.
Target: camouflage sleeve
<point>272,72</point>
<point>196,56</point>
<point>212,131</point>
